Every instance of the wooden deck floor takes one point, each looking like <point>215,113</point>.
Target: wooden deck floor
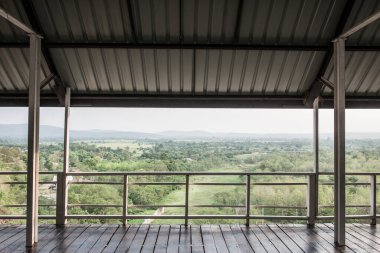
<point>205,238</point>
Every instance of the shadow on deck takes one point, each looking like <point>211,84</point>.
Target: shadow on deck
<point>195,238</point>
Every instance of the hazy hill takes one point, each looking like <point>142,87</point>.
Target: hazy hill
<point>19,132</point>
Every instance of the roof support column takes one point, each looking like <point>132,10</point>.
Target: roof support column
<point>339,142</point>
<point>33,140</point>
<point>313,179</point>
<point>62,186</point>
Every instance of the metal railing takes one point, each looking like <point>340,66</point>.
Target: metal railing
<point>311,206</point>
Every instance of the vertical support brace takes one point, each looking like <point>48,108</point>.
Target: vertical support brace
<point>60,216</point>
<point>187,200</point>
<point>339,143</point>
<point>311,200</point>
<point>33,141</point>
<point>248,200</point>
<point>312,203</point>
<point>62,184</point>
<point>373,200</point>
<point>125,200</point>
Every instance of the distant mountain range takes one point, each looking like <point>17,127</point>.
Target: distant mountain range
<point>19,132</point>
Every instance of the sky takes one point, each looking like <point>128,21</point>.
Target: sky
<point>152,120</point>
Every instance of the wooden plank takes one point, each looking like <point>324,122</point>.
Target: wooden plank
<point>267,244</point>
<point>139,239</point>
<point>278,244</point>
<point>9,232</point>
<point>287,240</point>
<point>79,240</point>
<point>229,238</point>
<point>122,239</point>
<point>92,239</point>
<point>151,238</point>
<point>196,239</point>
<point>61,245</point>
<point>362,235</point>
<point>208,239</point>
<point>328,236</point>
<point>220,244</point>
<point>185,240</point>
<point>162,239</point>
<point>252,239</point>
<point>19,246</point>
<point>306,241</point>
<point>371,230</point>
<point>352,241</point>
<point>104,239</point>
<point>56,237</point>
<point>173,242</point>
<point>241,240</point>
<point>20,242</point>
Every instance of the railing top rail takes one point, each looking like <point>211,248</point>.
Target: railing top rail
<point>184,173</point>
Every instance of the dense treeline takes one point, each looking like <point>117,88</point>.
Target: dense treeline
<point>251,155</point>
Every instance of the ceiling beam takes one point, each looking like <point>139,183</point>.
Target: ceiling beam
<point>33,19</point>
<point>164,101</point>
<point>268,47</point>
<point>17,22</point>
<point>188,101</point>
<point>238,21</point>
<point>317,87</point>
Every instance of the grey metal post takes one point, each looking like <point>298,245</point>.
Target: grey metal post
<point>62,190</point>
<point>311,200</point>
<point>59,210</point>
<point>373,200</point>
<point>33,141</point>
<point>125,200</point>
<point>248,200</point>
<point>187,200</point>
<point>339,143</point>
<point>313,180</point>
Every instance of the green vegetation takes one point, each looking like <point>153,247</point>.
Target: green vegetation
<point>212,154</point>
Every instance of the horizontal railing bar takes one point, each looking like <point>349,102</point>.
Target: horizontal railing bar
<point>156,183</point>
<point>158,206</point>
<point>182,173</point>
<point>168,183</point>
<point>265,217</point>
<point>24,205</point>
<point>97,182</point>
<point>347,183</point>
<point>218,206</point>
<point>93,205</point>
<point>347,217</point>
<point>331,206</point>
<point>200,173</point>
<point>183,217</point>
<point>24,182</point>
<point>154,206</point>
<point>274,183</point>
<point>216,184</point>
<point>23,217</point>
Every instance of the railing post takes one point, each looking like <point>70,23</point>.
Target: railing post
<point>62,184</point>
<point>125,200</point>
<point>248,200</point>
<point>373,200</point>
<point>187,201</point>
<point>33,141</point>
<point>312,199</point>
<point>61,199</point>
<point>339,143</point>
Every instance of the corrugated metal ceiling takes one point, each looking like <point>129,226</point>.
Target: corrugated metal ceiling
<point>191,71</point>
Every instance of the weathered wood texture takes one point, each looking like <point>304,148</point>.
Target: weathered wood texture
<point>193,238</point>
